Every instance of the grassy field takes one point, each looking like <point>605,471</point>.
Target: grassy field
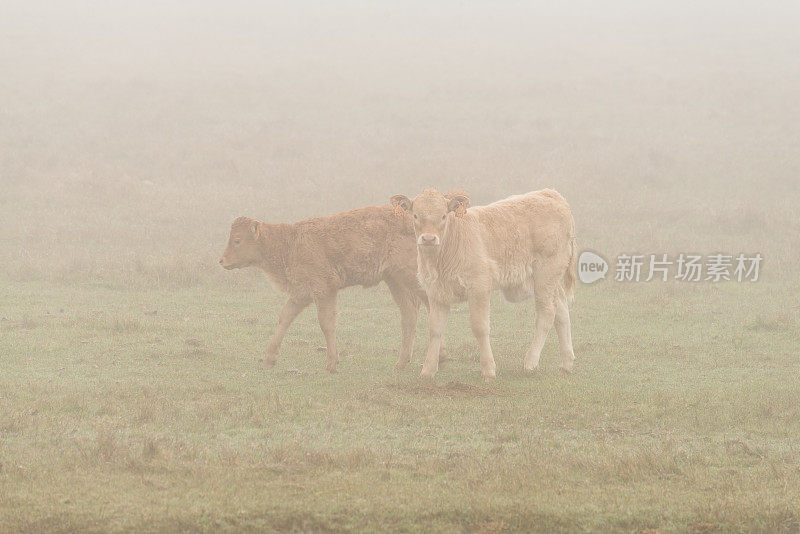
<point>133,133</point>
<point>126,409</point>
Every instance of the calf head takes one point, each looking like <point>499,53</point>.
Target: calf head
<point>430,212</point>
<point>243,248</point>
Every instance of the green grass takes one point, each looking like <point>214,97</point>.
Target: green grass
<point>131,396</point>
<point>131,410</point>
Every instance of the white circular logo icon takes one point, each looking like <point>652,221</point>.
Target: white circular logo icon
<point>591,267</point>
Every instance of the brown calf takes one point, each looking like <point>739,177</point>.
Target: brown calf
<point>313,259</point>
<point>523,245</point>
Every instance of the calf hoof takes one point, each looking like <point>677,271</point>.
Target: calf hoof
<point>530,370</point>
<point>400,365</point>
<point>331,369</point>
<point>426,376</point>
<point>566,368</point>
<point>269,363</point>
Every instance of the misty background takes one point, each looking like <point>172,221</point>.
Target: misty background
<point>132,135</point>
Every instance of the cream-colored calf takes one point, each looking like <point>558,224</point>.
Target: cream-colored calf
<point>523,245</point>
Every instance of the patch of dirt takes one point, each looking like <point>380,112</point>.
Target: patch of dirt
<point>451,389</point>
<point>197,353</point>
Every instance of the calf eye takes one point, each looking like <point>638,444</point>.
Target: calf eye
<point>443,216</point>
<point>415,217</point>
<point>237,241</point>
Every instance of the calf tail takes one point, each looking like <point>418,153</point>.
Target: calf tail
<point>571,274</point>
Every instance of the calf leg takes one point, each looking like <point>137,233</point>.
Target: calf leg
<point>437,322</point>
<point>479,304</point>
<point>290,310</point>
<point>442,349</point>
<point>545,298</point>
<point>564,331</point>
<point>408,302</point>
<point>326,314</point>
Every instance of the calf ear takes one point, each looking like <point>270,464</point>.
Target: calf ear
<point>400,202</point>
<point>255,229</point>
<point>461,194</point>
<point>458,204</point>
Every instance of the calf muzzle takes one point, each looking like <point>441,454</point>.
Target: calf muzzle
<point>428,240</point>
